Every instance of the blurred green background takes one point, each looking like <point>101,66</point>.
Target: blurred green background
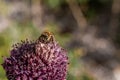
<point>88,29</point>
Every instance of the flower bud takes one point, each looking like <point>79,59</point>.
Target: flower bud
<point>36,60</point>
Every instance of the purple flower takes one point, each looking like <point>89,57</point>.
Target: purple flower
<point>36,60</point>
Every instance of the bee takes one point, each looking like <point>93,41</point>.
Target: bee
<point>46,37</point>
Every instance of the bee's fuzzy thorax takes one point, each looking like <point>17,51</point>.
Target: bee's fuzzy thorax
<point>46,37</point>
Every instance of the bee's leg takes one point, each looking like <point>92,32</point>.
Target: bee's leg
<point>52,38</point>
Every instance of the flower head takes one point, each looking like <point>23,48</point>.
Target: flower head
<point>36,60</point>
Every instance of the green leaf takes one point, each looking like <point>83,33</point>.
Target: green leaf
<point>54,3</point>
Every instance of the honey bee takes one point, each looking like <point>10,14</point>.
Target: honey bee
<point>46,37</point>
